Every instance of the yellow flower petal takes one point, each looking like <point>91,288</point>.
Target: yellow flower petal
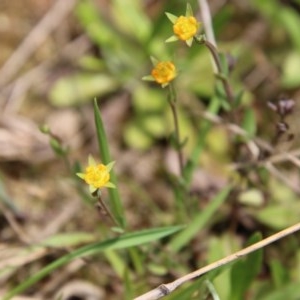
<point>164,72</point>
<point>97,175</point>
<point>185,27</point>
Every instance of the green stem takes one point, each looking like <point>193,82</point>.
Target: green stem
<point>214,52</point>
<point>172,101</point>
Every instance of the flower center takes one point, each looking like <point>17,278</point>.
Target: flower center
<point>185,27</point>
<point>97,176</point>
<point>164,72</point>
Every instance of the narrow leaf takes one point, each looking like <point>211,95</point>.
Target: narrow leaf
<point>199,221</point>
<point>244,271</point>
<point>125,241</point>
<point>171,17</point>
<point>115,201</point>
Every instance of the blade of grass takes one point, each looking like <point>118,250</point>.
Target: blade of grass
<point>245,271</point>
<point>199,221</point>
<point>115,201</point>
<point>124,241</point>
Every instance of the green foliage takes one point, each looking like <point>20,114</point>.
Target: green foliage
<point>115,200</point>
<point>249,122</point>
<point>244,271</point>
<point>124,241</point>
<point>76,89</point>
<point>202,124</point>
<point>69,239</point>
<point>199,221</point>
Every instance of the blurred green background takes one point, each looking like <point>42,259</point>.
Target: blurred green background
<point>101,49</point>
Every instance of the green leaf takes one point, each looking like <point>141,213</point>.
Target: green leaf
<point>217,248</point>
<point>148,100</point>
<point>125,241</point>
<point>77,89</point>
<point>189,10</point>
<point>279,273</point>
<point>249,122</point>
<point>116,47</point>
<point>136,137</point>
<point>244,271</point>
<point>251,197</point>
<point>92,21</point>
<point>279,216</point>
<point>289,19</point>
<point>171,39</point>
<point>148,78</point>
<point>289,292</point>
<point>171,17</point>
<point>116,261</point>
<point>238,99</point>
<point>115,201</point>
<point>131,18</point>
<point>128,286</point>
<point>187,292</point>
<point>199,221</point>
<point>290,75</point>
<point>154,60</point>
<point>224,64</point>
<point>67,239</point>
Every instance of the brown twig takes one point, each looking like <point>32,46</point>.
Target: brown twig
<point>168,288</point>
<point>103,210</point>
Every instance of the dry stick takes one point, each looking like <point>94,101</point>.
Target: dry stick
<point>207,23</point>
<point>35,38</point>
<point>168,288</point>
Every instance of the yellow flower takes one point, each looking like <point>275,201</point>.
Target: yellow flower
<point>97,175</point>
<point>184,27</point>
<point>163,72</point>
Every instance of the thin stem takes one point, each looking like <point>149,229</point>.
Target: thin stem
<point>172,101</point>
<point>214,52</point>
<point>102,206</point>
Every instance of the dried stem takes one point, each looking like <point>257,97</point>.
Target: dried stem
<point>168,288</point>
<point>207,23</point>
<point>103,209</point>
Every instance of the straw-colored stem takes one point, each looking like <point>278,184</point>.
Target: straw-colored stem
<point>101,205</point>
<point>168,288</point>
